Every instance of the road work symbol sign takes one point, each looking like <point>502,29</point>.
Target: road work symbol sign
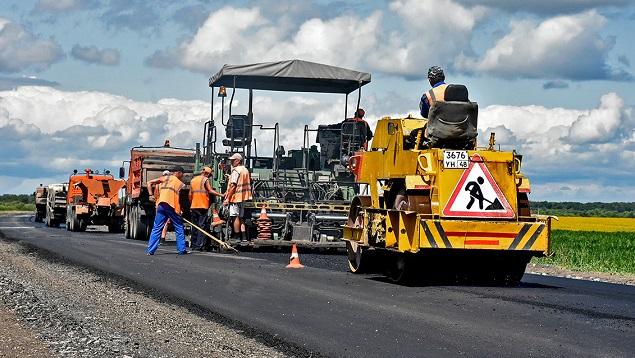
<point>477,194</point>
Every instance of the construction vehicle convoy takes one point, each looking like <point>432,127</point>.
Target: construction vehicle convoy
<point>93,199</point>
<point>446,208</point>
<point>147,163</point>
<point>305,191</point>
<point>55,204</point>
<point>423,201</point>
<point>40,203</point>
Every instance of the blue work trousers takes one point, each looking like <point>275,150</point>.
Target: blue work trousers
<point>165,212</point>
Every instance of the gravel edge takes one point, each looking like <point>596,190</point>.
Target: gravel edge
<point>267,339</point>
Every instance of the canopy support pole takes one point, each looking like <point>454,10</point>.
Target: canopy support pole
<point>346,107</point>
<point>359,95</point>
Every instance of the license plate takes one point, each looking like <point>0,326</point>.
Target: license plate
<point>455,159</point>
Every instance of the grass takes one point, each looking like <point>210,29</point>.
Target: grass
<point>574,223</point>
<point>593,251</point>
<point>16,206</point>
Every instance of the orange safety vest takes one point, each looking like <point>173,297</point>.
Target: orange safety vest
<point>243,186</point>
<point>439,94</point>
<point>200,196</point>
<point>169,192</point>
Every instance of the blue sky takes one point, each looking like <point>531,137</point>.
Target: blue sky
<point>554,79</point>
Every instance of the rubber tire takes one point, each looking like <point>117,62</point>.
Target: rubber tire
<point>140,226</point>
<point>126,225</point>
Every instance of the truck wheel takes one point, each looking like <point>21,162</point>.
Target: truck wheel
<point>83,224</point>
<point>75,225</point>
<point>126,224</point>
<point>140,226</point>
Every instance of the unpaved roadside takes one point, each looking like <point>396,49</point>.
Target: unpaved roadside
<point>18,340</point>
<point>76,313</point>
<point>548,270</point>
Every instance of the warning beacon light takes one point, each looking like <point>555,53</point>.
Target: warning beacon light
<point>222,91</point>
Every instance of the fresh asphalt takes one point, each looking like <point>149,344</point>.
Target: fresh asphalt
<point>326,310</point>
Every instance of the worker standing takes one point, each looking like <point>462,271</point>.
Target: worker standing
<point>200,189</point>
<point>436,77</point>
<point>168,207</point>
<point>238,192</point>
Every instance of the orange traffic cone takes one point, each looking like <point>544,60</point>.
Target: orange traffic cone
<point>263,214</point>
<point>216,219</point>
<point>295,259</point>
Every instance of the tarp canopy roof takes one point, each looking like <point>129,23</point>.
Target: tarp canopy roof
<point>291,75</point>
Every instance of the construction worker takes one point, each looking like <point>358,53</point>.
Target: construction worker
<point>168,207</point>
<point>200,189</point>
<point>238,192</point>
<point>164,233</point>
<point>436,77</point>
<point>359,117</point>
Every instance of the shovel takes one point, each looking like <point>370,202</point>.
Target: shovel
<point>494,205</point>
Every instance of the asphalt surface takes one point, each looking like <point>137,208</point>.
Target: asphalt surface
<point>328,311</point>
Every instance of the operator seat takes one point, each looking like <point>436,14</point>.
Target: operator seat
<point>452,123</point>
<point>238,131</point>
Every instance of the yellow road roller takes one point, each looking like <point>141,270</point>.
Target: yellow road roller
<point>432,209</point>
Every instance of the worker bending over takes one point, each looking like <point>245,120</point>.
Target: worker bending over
<point>200,189</point>
<point>168,207</point>
<point>238,192</point>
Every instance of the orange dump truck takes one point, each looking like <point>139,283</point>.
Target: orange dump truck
<point>93,199</point>
<point>147,163</point>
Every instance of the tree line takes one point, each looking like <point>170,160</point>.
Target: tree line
<point>572,208</point>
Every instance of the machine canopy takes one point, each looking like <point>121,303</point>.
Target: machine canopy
<point>291,75</point>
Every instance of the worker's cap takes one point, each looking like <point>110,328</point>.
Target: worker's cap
<point>207,170</point>
<point>436,72</point>
<point>166,172</point>
<point>178,169</point>
<point>236,156</point>
<point>360,112</point>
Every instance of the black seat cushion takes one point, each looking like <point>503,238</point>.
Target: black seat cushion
<point>456,93</point>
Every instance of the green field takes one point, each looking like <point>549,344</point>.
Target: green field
<point>593,251</point>
<point>21,202</point>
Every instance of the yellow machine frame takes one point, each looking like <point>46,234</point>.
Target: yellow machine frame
<point>374,223</point>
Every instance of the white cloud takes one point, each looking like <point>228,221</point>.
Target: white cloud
<point>433,33</point>
<point>566,47</point>
<point>52,132</point>
<point>342,40</point>
<point>21,50</point>
<point>348,40</point>
<point>566,145</point>
<point>91,54</point>
<point>601,124</point>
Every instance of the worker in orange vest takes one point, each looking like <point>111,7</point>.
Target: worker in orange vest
<point>436,77</point>
<point>200,190</point>
<point>168,207</point>
<point>238,192</point>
